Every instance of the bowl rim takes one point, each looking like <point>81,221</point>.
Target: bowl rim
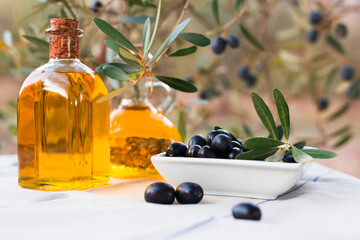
<point>221,161</point>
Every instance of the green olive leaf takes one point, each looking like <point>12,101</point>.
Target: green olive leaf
<point>257,154</point>
<point>265,115</point>
<point>300,156</point>
<point>115,73</point>
<point>196,39</point>
<point>146,50</point>
<point>319,153</point>
<point>114,34</point>
<point>251,38</point>
<point>136,19</point>
<point>215,9</point>
<point>283,111</point>
<point>183,52</point>
<point>37,41</point>
<point>300,145</point>
<point>177,83</point>
<point>336,45</point>
<point>276,157</point>
<point>261,143</point>
<point>181,126</point>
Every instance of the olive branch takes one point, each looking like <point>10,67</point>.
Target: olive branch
<point>272,148</point>
<point>138,64</point>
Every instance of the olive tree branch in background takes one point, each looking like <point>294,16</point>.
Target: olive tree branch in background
<point>264,17</point>
<point>200,17</point>
<point>235,19</point>
<point>178,23</point>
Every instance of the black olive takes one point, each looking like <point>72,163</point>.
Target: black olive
<point>193,151</point>
<point>236,144</point>
<point>243,72</point>
<point>322,103</point>
<point>197,140</point>
<point>347,72</point>
<point>206,152</point>
<point>221,144</point>
<point>246,211</point>
<point>176,149</point>
<point>315,17</point>
<point>189,193</point>
<point>233,41</point>
<point>312,35</point>
<point>289,159</point>
<point>234,152</point>
<point>214,133</point>
<point>96,6</point>
<point>218,45</point>
<point>160,192</point>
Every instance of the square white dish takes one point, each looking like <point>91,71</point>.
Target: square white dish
<point>230,177</point>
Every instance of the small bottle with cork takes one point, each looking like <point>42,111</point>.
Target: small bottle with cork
<point>63,132</point>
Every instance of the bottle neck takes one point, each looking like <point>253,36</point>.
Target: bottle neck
<point>63,47</point>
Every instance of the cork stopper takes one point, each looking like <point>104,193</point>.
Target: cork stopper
<point>64,38</point>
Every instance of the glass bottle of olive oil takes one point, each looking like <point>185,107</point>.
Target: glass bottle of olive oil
<point>63,133</point>
<point>139,130</point>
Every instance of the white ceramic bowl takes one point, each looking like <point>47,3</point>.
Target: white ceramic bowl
<point>244,178</point>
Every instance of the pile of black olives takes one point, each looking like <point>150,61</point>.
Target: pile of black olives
<point>218,144</point>
<point>163,193</point>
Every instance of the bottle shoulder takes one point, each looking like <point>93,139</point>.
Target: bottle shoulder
<point>61,74</point>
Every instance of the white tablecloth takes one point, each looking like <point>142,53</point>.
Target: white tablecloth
<point>325,204</point>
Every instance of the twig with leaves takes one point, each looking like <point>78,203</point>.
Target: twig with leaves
<point>138,61</point>
<point>272,148</point>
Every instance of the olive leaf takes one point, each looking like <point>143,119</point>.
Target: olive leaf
<point>125,67</point>
<point>196,39</point>
<point>142,3</point>
<point>264,113</point>
<point>319,153</point>
<point>261,143</point>
<point>115,73</point>
<point>113,45</point>
<point>300,145</point>
<point>160,50</point>
<point>146,33</point>
<point>113,94</point>
<point>183,52</point>
<point>114,34</point>
<point>251,38</point>
<point>335,44</point>
<point>155,29</point>
<point>215,9</point>
<point>238,3</point>
<point>300,156</point>
<point>283,111</point>
<point>63,13</point>
<point>37,41</point>
<point>280,132</point>
<point>69,8</point>
<point>173,35</point>
<point>126,54</point>
<point>343,140</point>
<point>177,83</point>
<point>278,157</point>
<point>342,130</point>
<point>136,19</point>
<point>181,126</point>
<point>343,109</point>
<point>258,154</point>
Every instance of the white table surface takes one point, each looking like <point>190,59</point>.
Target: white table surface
<point>325,204</point>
